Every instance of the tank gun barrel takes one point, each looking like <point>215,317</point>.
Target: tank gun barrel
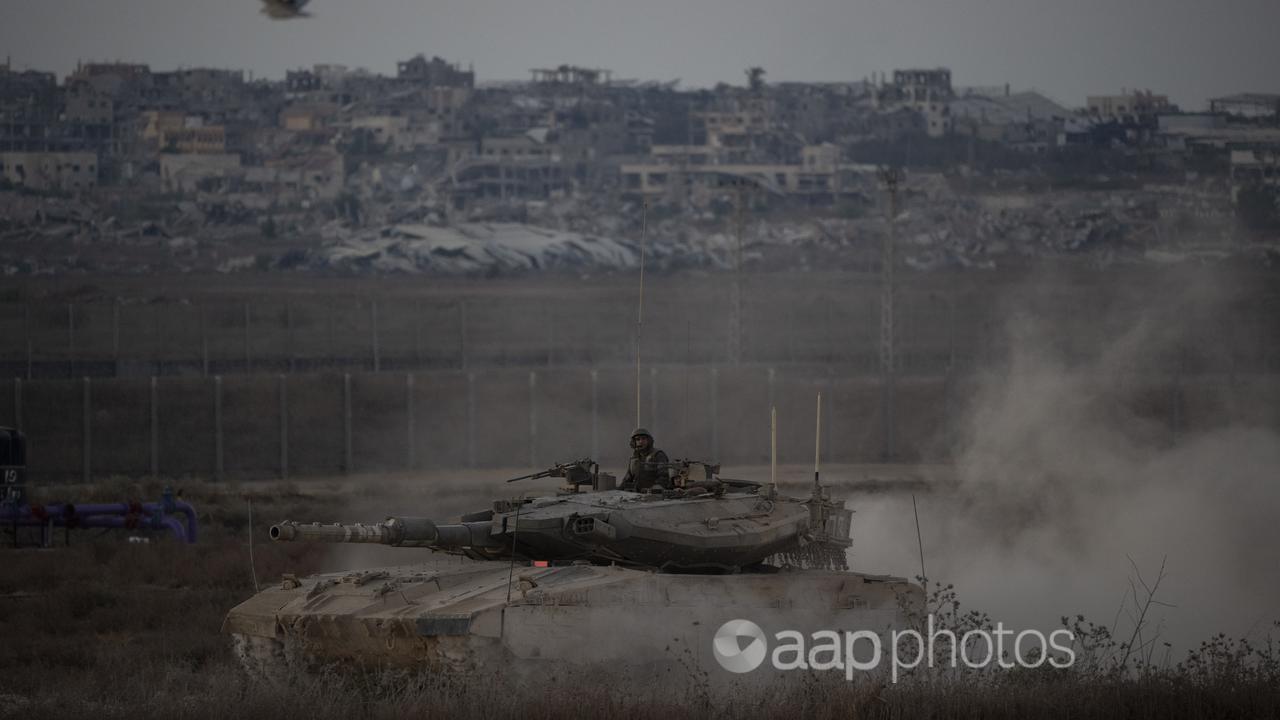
<point>290,531</point>
<point>394,531</point>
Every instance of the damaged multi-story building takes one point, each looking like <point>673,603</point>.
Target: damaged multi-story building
<point>1264,107</point>
<point>30,105</point>
<point>68,172</point>
<point>925,91</point>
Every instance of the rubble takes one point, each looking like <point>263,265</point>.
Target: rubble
<point>470,248</point>
<point>942,229</point>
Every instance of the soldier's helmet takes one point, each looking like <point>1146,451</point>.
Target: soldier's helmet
<point>639,433</point>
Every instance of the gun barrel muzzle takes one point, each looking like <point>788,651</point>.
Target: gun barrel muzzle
<point>289,531</point>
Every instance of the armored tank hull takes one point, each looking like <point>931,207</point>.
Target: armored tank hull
<point>479,616</point>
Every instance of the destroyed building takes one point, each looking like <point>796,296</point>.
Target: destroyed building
<point>1259,106</point>
<point>926,91</point>
<point>1128,106</point>
<point>72,172</point>
<point>186,173</point>
<point>435,72</point>
<point>30,103</point>
<point>571,75</point>
<point>353,159</point>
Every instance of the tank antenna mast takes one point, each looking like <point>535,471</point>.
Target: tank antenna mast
<point>924,577</point>
<point>817,450</point>
<point>773,445</point>
<point>511,569</point>
<point>644,231</point>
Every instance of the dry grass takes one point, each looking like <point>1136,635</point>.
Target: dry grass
<point>110,629</point>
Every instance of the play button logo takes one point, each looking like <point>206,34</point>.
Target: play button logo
<point>740,646</point>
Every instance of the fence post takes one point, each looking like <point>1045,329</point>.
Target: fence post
<point>155,428</point>
<point>653,397</point>
<point>551,334</point>
<point>26,318</point>
<point>829,407</point>
<point>410,433</point>
<point>595,413</point>
<point>204,340</point>
<point>329,332</point>
<point>217,427</point>
<point>533,418</point>
<point>888,421</point>
<point>417,333</point>
<point>471,419</point>
<point>115,334</point>
<point>71,340</point>
<point>715,414</point>
<point>373,335</point>
<point>284,427</point>
<point>1177,397</point>
<point>951,333</point>
<point>734,346</point>
<point>288,325</point>
<point>248,360</point>
<point>793,325</point>
<point>773,387</point>
<point>88,435</point>
<point>347,460</point>
<point>159,341</point>
<point>463,352</point>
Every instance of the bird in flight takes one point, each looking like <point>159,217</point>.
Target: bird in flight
<point>284,9</point>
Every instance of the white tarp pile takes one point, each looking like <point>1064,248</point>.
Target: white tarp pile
<point>471,248</point>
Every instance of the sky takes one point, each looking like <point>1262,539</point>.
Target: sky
<point>1190,50</point>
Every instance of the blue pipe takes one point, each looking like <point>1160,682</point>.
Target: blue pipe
<point>128,514</point>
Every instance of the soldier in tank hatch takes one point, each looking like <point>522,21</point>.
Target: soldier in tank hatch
<point>648,466</point>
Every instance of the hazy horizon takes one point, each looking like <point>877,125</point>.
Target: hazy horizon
<point>1188,51</point>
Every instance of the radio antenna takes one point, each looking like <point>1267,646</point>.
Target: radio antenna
<point>817,449</point>
<point>924,578</point>
<point>515,537</point>
<point>773,445</point>
<point>644,231</point>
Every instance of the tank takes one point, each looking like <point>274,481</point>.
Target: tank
<point>592,573</point>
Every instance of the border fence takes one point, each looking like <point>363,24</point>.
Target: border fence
<point>281,426</point>
<point>304,383</point>
<point>827,320</point>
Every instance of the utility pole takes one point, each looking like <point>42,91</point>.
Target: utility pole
<point>888,362</point>
<point>644,232</point>
<point>735,291</point>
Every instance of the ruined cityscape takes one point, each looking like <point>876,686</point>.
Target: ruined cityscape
<point>119,167</point>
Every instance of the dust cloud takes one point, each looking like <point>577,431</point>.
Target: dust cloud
<point>1085,442</point>
<point>1060,479</point>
